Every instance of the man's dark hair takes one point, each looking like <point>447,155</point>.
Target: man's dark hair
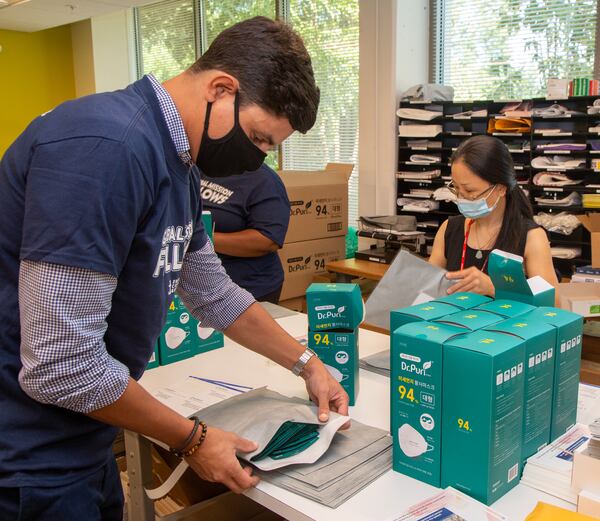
<point>271,63</point>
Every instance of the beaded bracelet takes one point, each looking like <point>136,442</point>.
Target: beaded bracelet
<point>188,440</point>
<point>196,446</point>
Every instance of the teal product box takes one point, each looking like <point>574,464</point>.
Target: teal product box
<point>339,352</point>
<point>416,398</point>
<point>470,319</point>
<point>508,276</point>
<point>334,306</point>
<point>506,308</point>
<point>419,313</point>
<point>540,341</point>
<point>183,336</point>
<point>464,300</point>
<point>207,221</point>
<point>567,362</point>
<point>482,417</point>
<point>155,358</point>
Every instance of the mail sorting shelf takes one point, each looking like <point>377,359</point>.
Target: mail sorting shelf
<point>523,147</point>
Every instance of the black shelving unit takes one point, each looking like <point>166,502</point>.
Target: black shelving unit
<point>523,147</point>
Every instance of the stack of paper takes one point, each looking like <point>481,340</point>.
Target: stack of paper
<point>416,130</point>
<point>573,199</point>
<point>424,159</point>
<point>594,444</point>
<point>420,114</point>
<point>378,363</point>
<point>451,505</point>
<point>426,174</point>
<point>550,469</point>
<point>557,162</point>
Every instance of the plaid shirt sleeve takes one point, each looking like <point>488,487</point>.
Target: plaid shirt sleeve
<point>208,292</point>
<point>63,321</point>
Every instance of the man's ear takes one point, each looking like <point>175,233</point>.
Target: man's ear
<point>221,84</point>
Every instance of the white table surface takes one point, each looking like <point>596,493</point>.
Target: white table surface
<point>390,494</point>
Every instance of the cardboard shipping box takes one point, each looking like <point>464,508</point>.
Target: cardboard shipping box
<point>318,202</point>
<point>581,297</point>
<point>592,223</point>
<point>303,260</point>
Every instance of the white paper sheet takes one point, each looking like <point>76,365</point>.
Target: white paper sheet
<point>588,404</point>
<point>190,395</point>
<point>452,505</point>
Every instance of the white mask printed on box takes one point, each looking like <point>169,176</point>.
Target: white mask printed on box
<point>336,373</point>
<point>175,336</point>
<point>412,442</point>
<point>204,332</point>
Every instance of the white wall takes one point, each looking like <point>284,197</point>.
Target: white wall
<point>394,54</point>
<point>412,44</point>
<point>103,52</point>
<point>113,50</point>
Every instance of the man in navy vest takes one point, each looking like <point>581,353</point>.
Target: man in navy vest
<point>99,226</point>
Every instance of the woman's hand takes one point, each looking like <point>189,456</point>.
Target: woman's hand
<point>472,279</point>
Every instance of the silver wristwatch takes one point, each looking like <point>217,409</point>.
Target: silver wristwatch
<point>302,361</point>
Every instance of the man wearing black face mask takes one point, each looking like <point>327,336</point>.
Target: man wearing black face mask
<point>99,226</point>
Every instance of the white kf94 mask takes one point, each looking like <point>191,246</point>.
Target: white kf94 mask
<point>174,336</point>
<point>412,442</point>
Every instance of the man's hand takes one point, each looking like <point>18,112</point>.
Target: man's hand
<point>325,390</point>
<point>216,460</point>
<point>472,279</point>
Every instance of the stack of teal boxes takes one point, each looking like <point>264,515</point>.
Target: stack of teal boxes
<point>183,336</point>
<point>479,385</point>
<point>334,313</point>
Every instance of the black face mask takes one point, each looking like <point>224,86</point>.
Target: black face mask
<point>233,154</point>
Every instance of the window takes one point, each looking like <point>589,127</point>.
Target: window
<point>507,49</point>
<point>172,33</point>
<point>330,32</point>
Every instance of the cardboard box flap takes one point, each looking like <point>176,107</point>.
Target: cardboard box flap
<point>334,174</point>
<point>344,168</point>
<point>591,221</point>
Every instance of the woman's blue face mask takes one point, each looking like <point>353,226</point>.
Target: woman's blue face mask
<point>477,208</point>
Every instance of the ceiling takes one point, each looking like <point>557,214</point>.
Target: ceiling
<point>35,15</point>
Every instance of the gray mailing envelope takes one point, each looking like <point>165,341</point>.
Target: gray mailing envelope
<point>408,280</point>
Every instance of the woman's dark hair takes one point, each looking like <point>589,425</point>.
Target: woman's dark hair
<point>271,63</point>
<point>488,157</point>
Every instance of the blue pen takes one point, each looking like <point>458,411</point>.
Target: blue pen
<point>226,385</point>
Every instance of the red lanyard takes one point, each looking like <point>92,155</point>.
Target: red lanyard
<point>464,248</point>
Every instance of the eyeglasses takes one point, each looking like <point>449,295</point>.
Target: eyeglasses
<point>456,192</point>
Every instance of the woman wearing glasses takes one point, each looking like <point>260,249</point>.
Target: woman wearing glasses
<point>495,213</point>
